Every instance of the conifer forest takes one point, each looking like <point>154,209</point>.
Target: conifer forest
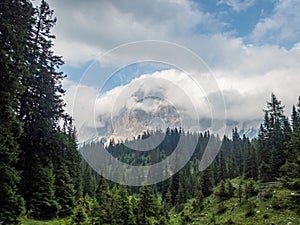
<point>45,180</point>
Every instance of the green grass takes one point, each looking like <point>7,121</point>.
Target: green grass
<point>26,221</point>
<point>279,210</point>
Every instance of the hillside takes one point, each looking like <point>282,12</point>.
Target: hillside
<point>279,206</point>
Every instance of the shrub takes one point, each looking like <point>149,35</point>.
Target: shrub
<point>250,209</point>
<point>221,208</point>
<point>229,222</point>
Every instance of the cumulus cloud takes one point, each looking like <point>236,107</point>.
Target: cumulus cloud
<point>282,26</point>
<point>102,25</point>
<point>246,73</point>
<point>168,95</point>
<point>176,99</point>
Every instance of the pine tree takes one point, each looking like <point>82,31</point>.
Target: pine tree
<point>237,150</point>
<point>250,189</point>
<point>79,216</point>
<point>71,156</point>
<point>88,185</point>
<point>221,191</point>
<point>122,212</point>
<point>104,199</point>
<point>64,191</point>
<point>168,200</point>
<point>42,111</point>
<point>251,168</point>
<point>15,22</point>
<point>181,196</point>
<point>273,134</point>
<point>206,182</point>
<point>291,169</point>
<point>199,199</point>
<point>42,203</point>
<point>174,186</point>
<point>148,206</point>
<point>221,167</point>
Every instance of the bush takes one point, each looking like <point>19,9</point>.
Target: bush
<point>277,203</point>
<point>79,216</point>
<point>250,209</point>
<point>229,222</point>
<point>221,208</point>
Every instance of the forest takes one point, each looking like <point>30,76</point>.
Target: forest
<point>45,180</point>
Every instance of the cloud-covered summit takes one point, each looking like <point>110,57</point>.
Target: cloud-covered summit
<point>251,46</point>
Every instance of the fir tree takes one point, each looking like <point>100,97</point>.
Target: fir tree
<point>64,191</point>
<point>42,203</point>
<point>122,212</point>
<point>206,182</point>
<point>148,206</point>
<point>272,136</point>
<point>104,199</point>
<point>15,23</point>
<point>79,216</point>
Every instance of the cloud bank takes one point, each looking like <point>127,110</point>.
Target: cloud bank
<point>247,68</point>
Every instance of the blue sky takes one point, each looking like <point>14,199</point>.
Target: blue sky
<point>252,47</point>
<point>240,21</point>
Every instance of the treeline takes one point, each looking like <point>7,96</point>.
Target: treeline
<point>273,156</point>
<point>40,164</point>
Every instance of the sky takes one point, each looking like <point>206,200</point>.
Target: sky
<point>250,48</point>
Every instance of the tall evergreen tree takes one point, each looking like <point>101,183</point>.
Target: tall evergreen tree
<point>148,206</point>
<point>291,169</point>
<point>88,181</point>
<point>272,136</point>
<point>251,167</point>
<point>238,151</point>
<point>122,212</point>
<point>64,191</point>
<point>42,110</point>
<point>206,182</point>
<point>222,166</point>
<point>43,204</point>
<point>15,23</point>
<point>104,199</point>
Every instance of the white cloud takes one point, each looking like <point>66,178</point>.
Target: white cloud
<point>282,26</point>
<point>102,25</point>
<point>154,94</point>
<point>168,94</point>
<point>247,74</point>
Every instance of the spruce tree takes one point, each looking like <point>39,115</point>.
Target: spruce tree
<point>64,191</point>
<point>238,151</point>
<point>88,186</point>
<point>15,23</point>
<point>104,199</point>
<point>122,211</point>
<point>291,169</point>
<point>206,182</point>
<point>43,204</point>
<point>148,206</point>
<point>79,216</point>
<point>273,135</point>
<point>42,111</point>
<point>222,166</point>
<point>251,168</point>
